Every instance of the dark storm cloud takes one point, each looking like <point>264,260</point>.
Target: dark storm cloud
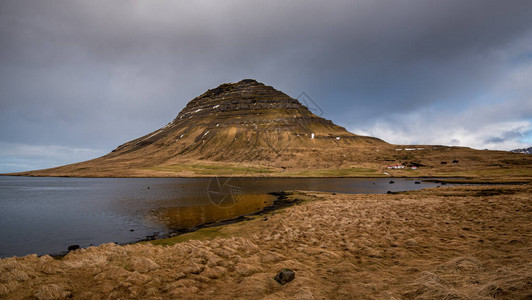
<point>94,74</point>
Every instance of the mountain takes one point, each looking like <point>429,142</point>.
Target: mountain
<point>523,150</point>
<point>249,129</point>
<point>244,123</point>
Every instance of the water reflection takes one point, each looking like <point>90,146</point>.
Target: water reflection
<point>182,217</point>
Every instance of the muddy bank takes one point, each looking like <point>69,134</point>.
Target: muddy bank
<point>464,242</point>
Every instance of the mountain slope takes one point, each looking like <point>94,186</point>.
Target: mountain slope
<point>242,122</point>
<point>247,128</point>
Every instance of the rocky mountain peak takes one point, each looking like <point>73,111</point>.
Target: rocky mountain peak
<point>247,95</point>
<point>244,121</point>
<point>242,85</point>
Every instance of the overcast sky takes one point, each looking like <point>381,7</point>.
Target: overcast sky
<point>78,78</point>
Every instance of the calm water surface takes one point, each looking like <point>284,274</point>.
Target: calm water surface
<point>46,215</point>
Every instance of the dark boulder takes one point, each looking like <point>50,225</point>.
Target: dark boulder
<point>73,247</point>
<point>285,276</point>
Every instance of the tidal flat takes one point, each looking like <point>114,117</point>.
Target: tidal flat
<point>461,242</point>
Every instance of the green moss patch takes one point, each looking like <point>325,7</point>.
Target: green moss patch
<point>202,234</point>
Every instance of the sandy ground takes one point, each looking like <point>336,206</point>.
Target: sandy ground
<point>443,243</point>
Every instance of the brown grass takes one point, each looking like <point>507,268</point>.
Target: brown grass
<point>441,243</point>
<point>317,160</point>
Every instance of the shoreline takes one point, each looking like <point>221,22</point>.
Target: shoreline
<point>435,178</point>
<point>282,201</point>
<point>460,241</point>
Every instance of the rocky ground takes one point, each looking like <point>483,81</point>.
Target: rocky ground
<point>468,242</point>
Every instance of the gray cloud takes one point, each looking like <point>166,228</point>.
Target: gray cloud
<point>16,157</point>
<point>94,74</point>
<point>514,134</point>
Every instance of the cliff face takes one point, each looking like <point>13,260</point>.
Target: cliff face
<point>244,121</point>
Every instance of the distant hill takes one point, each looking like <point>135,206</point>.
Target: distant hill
<point>523,150</point>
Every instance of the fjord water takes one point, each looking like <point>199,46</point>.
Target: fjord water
<point>44,215</point>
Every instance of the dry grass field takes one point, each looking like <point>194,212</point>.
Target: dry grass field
<point>355,161</point>
<point>464,242</point>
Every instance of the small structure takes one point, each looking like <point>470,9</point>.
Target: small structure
<point>414,168</point>
<point>396,167</point>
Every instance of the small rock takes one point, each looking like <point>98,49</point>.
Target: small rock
<point>73,247</point>
<point>132,230</point>
<point>417,182</point>
<point>334,193</point>
<point>285,276</point>
<point>392,182</point>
